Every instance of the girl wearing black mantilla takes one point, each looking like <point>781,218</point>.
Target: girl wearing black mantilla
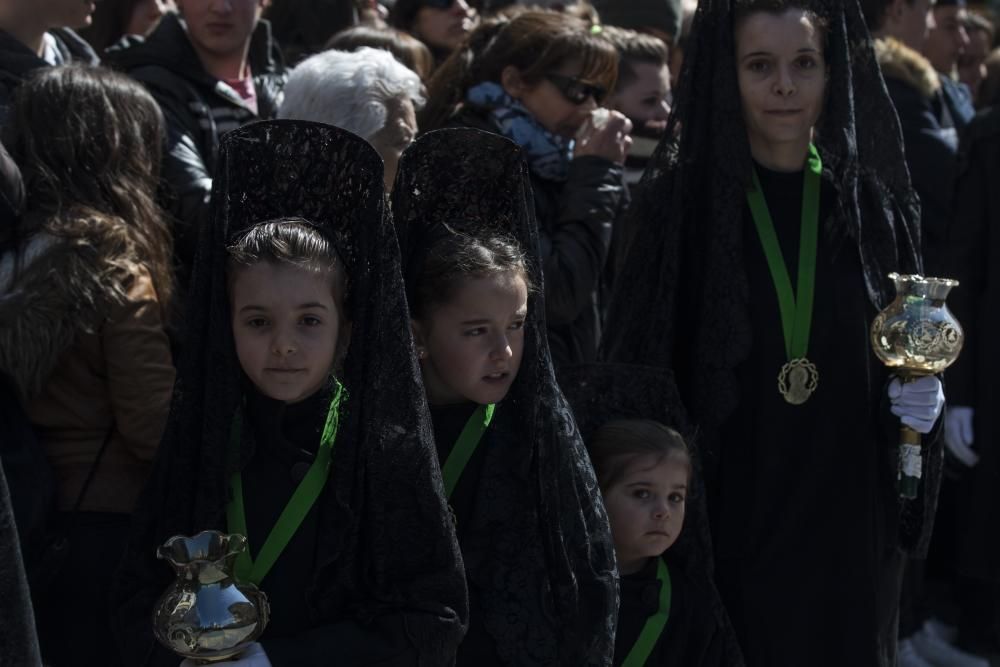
<point>534,535</point>
<point>670,612</point>
<point>372,575</point>
<point>767,227</point>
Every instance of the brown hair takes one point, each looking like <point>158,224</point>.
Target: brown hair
<point>635,47</point>
<point>292,241</point>
<point>89,142</point>
<point>457,258</point>
<point>534,42</point>
<point>747,8</point>
<point>405,48</point>
<point>616,444</point>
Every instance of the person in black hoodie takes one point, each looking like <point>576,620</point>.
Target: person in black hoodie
<point>39,34</point>
<point>300,365</point>
<point>537,79</point>
<point>213,68</point>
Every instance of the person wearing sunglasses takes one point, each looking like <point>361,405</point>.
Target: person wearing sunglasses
<point>440,24</point>
<point>539,79</point>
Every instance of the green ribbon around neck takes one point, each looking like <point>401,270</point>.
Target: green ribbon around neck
<point>302,500</point>
<point>655,624</point>
<point>465,446</point>
<point>796,307</point>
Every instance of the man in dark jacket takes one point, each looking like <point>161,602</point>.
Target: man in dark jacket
<point>37,34</point>
<point>946,42</point>
<point>930,135</point>
<point>213,69</point>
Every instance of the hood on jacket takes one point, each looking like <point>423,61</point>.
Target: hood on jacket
<point>169,46</point>
<point>902,63</point>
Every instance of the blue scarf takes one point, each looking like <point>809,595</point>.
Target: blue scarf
<point>548,154</point>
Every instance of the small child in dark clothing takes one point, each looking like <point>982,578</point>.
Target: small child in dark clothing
<point>664,618</point>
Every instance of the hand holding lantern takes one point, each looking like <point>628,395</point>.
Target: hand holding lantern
<point>916,335</point>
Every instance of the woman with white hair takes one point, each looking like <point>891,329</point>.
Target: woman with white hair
<point>367,92</point>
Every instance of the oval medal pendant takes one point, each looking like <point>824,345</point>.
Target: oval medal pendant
<point>798,380</point>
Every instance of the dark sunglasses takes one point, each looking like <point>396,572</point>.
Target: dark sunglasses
<point>575,90</point>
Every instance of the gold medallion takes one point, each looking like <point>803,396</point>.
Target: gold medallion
<point>798,380</point>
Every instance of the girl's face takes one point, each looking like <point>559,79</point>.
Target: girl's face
<point>444,28</point>
<point>547,101</point>
<point>286,325</point>
<point>782,77</point>
<point>646,508</point>
<point>470,348</point>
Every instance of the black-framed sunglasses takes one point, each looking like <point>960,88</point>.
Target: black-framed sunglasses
<point>575,90</point>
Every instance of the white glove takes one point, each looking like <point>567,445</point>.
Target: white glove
<point>253,656</point>
<point>958,434</point>
<point>917,403</point>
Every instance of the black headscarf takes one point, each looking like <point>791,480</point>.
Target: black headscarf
<point>544,495</point>
<point>601,393</point>
<point>687,255</point>
<point>387,544</point>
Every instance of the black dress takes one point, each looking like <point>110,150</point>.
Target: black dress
<point>478,648</point>
<point>800,488</point>
<point>286,439</point>
<point>692,635</point>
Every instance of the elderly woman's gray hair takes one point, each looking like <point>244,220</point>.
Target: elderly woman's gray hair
<point>351,90</point>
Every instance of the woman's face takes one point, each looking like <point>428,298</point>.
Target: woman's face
<point>443,29</point>
<point>550,105</point>
<point>782,77</point>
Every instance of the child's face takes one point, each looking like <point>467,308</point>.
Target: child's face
<point>470,348</point>
<point>286,325</point>
<point>646,509</point>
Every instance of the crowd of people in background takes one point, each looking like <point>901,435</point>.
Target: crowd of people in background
<point>557,192</point>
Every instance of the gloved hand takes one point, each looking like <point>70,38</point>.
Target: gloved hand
<point>253,656</point>
<point>917,403</point>
<point>958,434</point>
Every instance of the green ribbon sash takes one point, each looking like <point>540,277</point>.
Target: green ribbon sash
<point>655,624</point>
<point>302,500</point>
<point>796,307</point>
<point>465,446</point>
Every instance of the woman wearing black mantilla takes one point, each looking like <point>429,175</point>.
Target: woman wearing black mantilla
<point>767,226</point>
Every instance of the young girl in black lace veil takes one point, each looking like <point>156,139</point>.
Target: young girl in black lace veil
<point>534,535</point>
<point>373,574</point>
<point>623,412</point>
<point>798,447</point>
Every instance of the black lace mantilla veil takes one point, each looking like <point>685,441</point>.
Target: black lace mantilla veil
<point>602,392</point>
<point>697,180</point>
<point>542,494</point>
<point>387,539</point>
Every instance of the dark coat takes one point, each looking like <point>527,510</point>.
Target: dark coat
<point>199,109</point>
<point>18,643</point>
<point>930,136</point>
<point>575,221</point>
<point>17,61</point>
<point>974,259</point>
